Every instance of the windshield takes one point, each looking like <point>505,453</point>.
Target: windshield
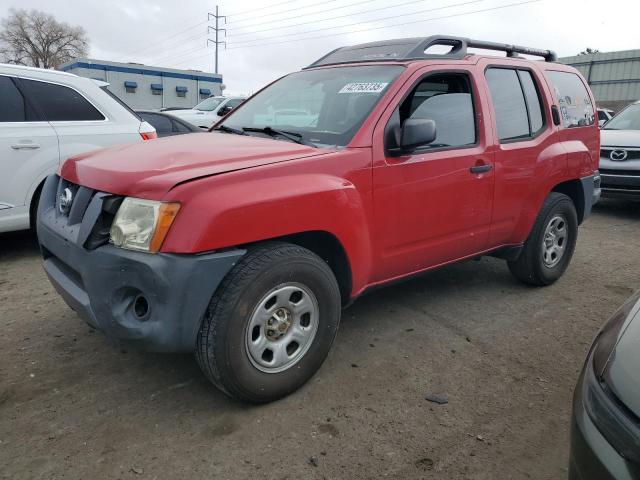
<point>627,119</point>
<point>323,107</point>
<point>209,104</point>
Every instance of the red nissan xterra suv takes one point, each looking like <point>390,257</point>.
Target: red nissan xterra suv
<point>376,162</point>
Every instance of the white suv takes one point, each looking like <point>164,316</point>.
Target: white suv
<point>47,116</point>
<point>620,154</point>
<point>208,111</point>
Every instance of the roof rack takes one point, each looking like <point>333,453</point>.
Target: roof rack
<point>416,49</point>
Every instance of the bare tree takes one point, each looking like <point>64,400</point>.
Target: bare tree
<point>37,39</point>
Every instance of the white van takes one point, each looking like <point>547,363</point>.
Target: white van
<point>47,116</point>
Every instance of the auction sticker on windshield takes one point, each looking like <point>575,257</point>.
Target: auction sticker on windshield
<point>364,87</point>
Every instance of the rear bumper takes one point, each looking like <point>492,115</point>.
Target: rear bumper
<point>104,285</point>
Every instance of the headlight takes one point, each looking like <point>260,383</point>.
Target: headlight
<point>609,335</point>
<point>142,224</point>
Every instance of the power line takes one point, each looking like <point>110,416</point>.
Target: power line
<point>173,55</point>
<point>330,18</point>
<point>443,17</point>
<point>253,17</point>
<point>396,24</point>
<point>155,44</point>
<point>162,56</point>
<point>165,57</point>
<point>182,43</point>
<point>261,8</point>
<point>313,21</point>
<point>468,2</point>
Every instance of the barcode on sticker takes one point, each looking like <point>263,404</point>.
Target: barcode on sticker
<point>363,87</point>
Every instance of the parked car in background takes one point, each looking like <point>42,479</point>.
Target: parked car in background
<point>620,155</point>
<point>288,117</point>
<point>47,116</point>
<point>167,125</point>
<point>605,426</point>
<point>208,111</point>
<point>242,245</point>
<point>604,115</point>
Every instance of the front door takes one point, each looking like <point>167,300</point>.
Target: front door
<point>434,204</point>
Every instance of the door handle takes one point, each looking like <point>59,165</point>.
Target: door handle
<point>481,168</point>
<point>25,146</point>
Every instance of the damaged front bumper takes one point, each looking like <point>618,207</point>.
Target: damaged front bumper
<point>152,301</point>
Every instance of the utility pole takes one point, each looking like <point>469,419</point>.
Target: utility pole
<point>217,31</point>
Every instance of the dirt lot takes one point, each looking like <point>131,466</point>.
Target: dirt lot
<point>505,355</point>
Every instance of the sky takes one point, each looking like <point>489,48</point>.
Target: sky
<point>267,39</point>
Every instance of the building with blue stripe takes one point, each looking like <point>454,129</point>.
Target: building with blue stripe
<point>144,87</point>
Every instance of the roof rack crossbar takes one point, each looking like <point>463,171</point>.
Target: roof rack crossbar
<point>416,48</point>
<point>513,50</point>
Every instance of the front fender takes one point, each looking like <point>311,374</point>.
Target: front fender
<point>224,211</point>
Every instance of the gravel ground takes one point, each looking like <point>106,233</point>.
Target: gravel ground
<point>506,356</point>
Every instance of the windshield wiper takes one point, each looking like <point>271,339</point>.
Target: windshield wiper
<point>224,128</point>
<point>293,136</point>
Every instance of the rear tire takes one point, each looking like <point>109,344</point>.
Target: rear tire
<point>548,249</point>
<point>270,324</point>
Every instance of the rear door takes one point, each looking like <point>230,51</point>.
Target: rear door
<point>525,141</point>
<point>433,205</point>
<point>28,152</point>
<point>81,126</point>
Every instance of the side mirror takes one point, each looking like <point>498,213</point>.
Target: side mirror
<point>416,133</point>
<point>224,110</point>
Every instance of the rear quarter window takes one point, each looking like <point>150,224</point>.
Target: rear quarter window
<point>161,123</point>
<point>576,108</point>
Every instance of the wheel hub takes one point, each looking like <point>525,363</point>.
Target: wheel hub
<point>278,324</point>
<point>549,239</point>
<point>282,327</point>
<point>554,241</point>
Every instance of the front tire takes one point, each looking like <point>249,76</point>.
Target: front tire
<point>270,324</point>
<point>548,250</point>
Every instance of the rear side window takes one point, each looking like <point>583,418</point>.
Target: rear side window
<point>161,123</point>
<point>13,107</point>
<point>573,98</point>
<point>532,97</point>
<point>509,104</point>
<point>59,103</point>
<point>179,127</point>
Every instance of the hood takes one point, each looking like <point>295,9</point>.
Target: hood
<point>150,169</point>
<point>620,138</point>
<point>623,370</point>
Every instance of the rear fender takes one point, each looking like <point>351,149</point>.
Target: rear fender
<point>551,169</point>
